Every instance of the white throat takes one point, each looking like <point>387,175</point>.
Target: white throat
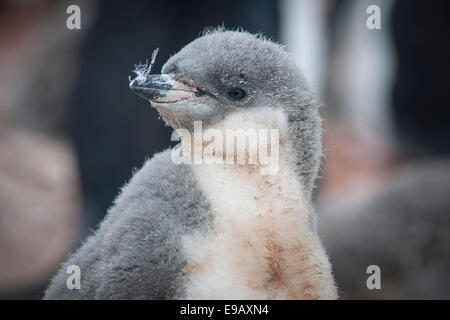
<point>261,245</point>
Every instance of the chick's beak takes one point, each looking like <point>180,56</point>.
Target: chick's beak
<point>162,88</point>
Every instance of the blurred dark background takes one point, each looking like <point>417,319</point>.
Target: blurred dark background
<point>71,131</point>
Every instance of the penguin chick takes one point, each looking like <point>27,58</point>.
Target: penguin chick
<point>216,230</point>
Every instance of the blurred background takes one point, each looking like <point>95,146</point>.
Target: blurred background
<point>71,132</point>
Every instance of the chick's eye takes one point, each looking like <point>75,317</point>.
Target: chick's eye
<point>237,93</point>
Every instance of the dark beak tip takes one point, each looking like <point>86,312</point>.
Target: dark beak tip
<point>160,87</point>
<point>133,83</point>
